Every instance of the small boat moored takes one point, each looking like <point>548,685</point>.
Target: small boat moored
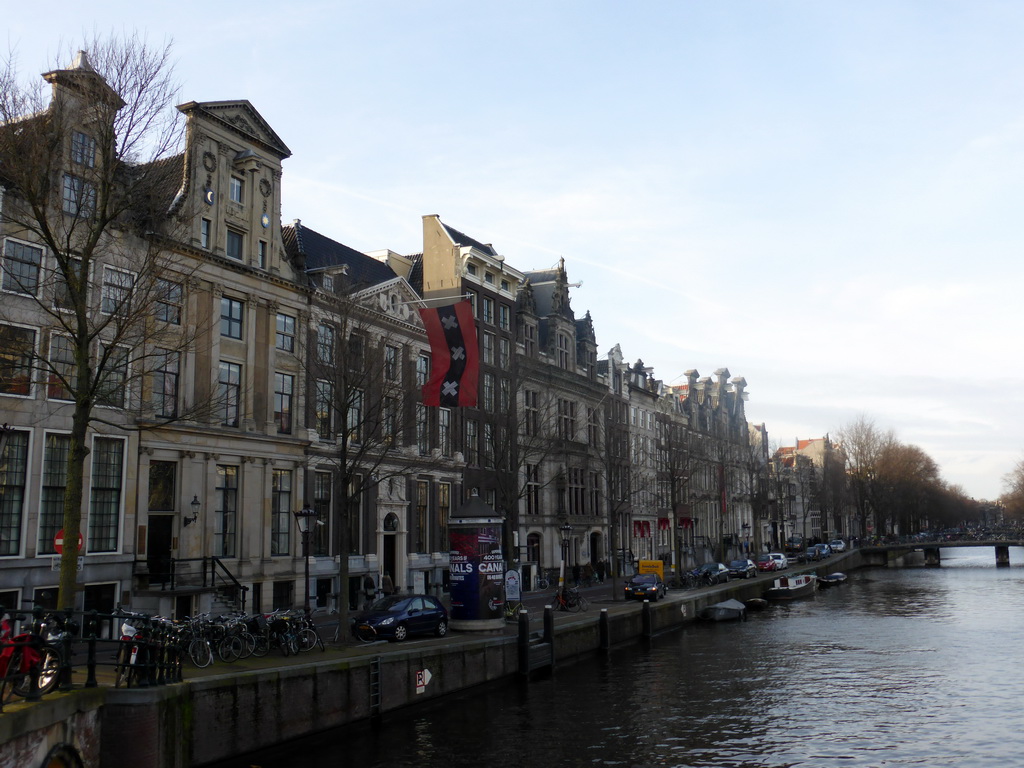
<point>831,580</point>
<point>727,610</point>
<point>790,587</point>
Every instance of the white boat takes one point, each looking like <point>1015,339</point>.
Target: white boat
<point>790,587</point>
<point>727,610</point>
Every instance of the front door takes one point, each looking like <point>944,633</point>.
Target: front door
<point>158,547</point>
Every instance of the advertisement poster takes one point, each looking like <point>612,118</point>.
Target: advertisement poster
<point>477,572</point>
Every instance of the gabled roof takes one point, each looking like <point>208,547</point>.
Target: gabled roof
<point>460,238</point>
<point>309,250</point>
<point>242,118</point>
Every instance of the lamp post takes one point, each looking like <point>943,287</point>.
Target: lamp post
<point>746,536</point>
<point>306,519</point>
<point>566,531</point>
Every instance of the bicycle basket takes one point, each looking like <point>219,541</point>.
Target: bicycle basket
<point>257,623</point>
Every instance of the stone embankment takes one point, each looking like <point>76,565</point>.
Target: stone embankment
<point>223,711</point>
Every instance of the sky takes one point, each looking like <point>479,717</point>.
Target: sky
<point>824,198</point>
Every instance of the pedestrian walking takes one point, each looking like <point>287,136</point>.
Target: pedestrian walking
<point>387,586</point>
<point>600,571</point>
<point>369,589</point>
<point>576,574</point>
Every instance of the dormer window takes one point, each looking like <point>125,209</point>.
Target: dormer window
<point>488,278</point>
<point>471,269</point>
<point>236,190</point>
<point>327,283</point>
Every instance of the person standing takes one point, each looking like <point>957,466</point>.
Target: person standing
<point>387,586</point>
<point>369,589</point>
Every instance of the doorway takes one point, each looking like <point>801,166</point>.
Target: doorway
<point>158,548</point>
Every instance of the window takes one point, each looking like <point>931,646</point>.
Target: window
<point>236,189</point>
<point>79,196</point>
<point>62,297</point>
<point>355,352</point>
<point>168,301</point>
<point>285,339</point>
<point>105,497</point>
<point>471,295</point>
<point>162,477</point>
<point>593,427</point>
<point>21,267</point>
<point>355,415</point>
<point>83,149</point>
<point>504,353</point>
<point>472,446</point>
<point>165,383</point>
<point>563,351</point>
<point>566,419</point>
<point>327,283</point>
<point>51,503</point>
<point>117,291</point>
<point>325,344</point>
<point>204,233</point>
<point>231,317</point>
<point>261,254</point>
<point>389,420</point>
<point>17,347</point>
<point>420,530</point>
<point>112,386</point>
<point>505,395</point>
<point>226,514</point>
<point>13,471</point>
<point>324,406</point>
<point>488,311</point>
<point>489,446</point>
<point>281,512</point>
<point>444,431</point>
<point>488,349</point>
<point>422,370</point>
<point>63,371</point>
<point>504,317</point>
<point>230,384</point>
<point>506,286</point>
<point>235,245</point>
<point>471,269</point>
<point>283,387</point>
<point>444,508</point>
<point>531,413</point>
<point>532,489</point>
<point>422,429</point>
<point>488,387</point>
<point>530,340</point>
<point>391,362</point>
<point>323,492</point>
<point>594,490</point>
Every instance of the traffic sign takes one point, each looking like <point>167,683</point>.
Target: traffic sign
<point>58,542</point>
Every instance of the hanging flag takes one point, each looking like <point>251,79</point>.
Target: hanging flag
<point>455,362</point>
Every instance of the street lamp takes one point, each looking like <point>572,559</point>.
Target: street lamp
<point>566,531</point>
<point>195,505</point>
<point>746,536</point>
<point>306,519</point>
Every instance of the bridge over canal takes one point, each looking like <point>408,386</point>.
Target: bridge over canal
<point>928,552</point>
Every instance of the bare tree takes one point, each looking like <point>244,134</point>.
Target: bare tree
<point>1013,491</point>
<point>89,176</point>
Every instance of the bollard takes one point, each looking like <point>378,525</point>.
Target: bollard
<point>646,619</point>
<point>90,629</point>
<point>603,626</point>
<point>524,643</point>
<point>549,624</point>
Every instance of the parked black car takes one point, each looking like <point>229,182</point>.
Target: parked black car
<point>742,569</point>
<point>714,573</point>
<point>646,586</point>
<point>396,617</point>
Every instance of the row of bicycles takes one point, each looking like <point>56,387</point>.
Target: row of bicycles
<point>570,599</point>
<point>230,637</point>
<point>38,652</point>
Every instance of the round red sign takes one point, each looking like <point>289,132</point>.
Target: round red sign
<point>58,542</point>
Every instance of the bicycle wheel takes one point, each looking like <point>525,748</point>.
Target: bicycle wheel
<point>584,604</point>
<point>230,648</point>
<point>200,653</point>
<point>309,639</point>
<point>122,666</point>
<point>49,671</point>
<point>248,644</point>
<point>10,680</point>
<point>261,646</point>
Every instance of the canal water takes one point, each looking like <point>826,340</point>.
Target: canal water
<point>915,667</point>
